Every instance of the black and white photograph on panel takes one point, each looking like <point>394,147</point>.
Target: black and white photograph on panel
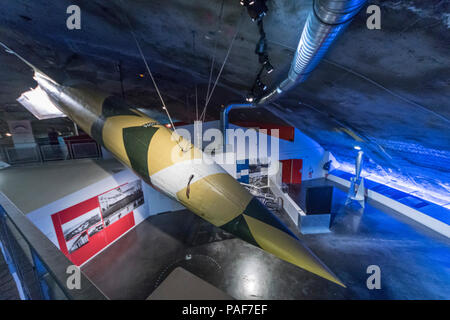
<point>119,202</point>
<point>258,173</point>
<point>80,224</point>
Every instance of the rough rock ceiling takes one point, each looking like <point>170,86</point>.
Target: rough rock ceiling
<point>389,88</point>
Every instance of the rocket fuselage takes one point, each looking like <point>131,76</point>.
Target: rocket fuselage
<point>173,167</point>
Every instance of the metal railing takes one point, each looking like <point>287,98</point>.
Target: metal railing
<point>22,154</point>
<point>41,268</point>
<point>54,152</point>
<point>25,154</point>
<point>85,150</point>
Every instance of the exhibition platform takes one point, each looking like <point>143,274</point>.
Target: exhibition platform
<point>132,254</point>
<point>134,266</point>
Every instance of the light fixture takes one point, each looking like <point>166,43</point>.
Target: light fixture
<point>247,3</point>
<point>168,125</point>
<point>250,98</point>
<point>268,66</point>
<point>8,134</point>
<point>261,85</point>
<point>256,9</point>
<point>357,147</point>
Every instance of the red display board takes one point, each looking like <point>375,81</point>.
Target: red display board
<point>284,132</point>
<point>86,228</point>
<point>292,171</point>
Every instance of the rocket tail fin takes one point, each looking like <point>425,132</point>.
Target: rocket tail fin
<point>32,66</point>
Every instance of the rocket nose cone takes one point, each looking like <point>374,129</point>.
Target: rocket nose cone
<point>289,249</point>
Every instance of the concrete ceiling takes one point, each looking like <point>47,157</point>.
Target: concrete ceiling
<point>387,90</point>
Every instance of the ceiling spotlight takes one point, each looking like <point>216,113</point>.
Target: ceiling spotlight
<point>247,2</point>
<point>8,134</point>
<point>168,125</point>
<point>250,98</point>
<point>261,85</point>
<point>357,147</point>
<point>264,60</point>
<point>257,9</point>
<point>268,67</point>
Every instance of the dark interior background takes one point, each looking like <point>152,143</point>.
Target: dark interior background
<point>387,90</point>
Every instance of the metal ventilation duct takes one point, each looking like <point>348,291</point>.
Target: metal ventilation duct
<point>324,24</point>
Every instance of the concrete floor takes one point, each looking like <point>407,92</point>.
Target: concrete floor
<point>414,262</point>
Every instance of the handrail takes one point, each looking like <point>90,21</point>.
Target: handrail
<point>53,259</point>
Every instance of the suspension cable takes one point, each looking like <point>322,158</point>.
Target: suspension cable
<point>196,103</point>
<point>203,115</point>
<point>213,60</point>
<point>149,71</point>
<point>194,53</point>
